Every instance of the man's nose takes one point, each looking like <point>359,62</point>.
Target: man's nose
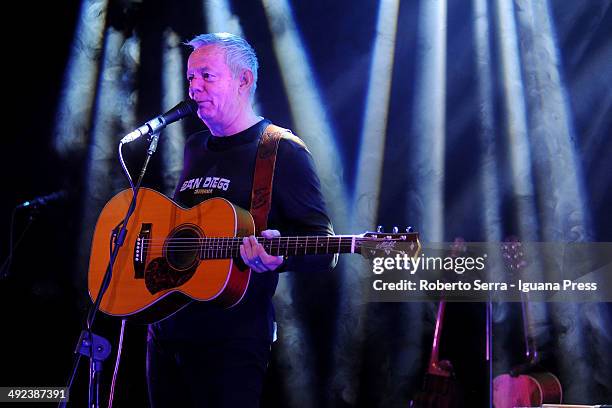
<point>196,85</point>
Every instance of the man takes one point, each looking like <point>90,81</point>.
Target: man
<point>203,355</point>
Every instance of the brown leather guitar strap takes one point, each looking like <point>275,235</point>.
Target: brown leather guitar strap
<point>261,195</point>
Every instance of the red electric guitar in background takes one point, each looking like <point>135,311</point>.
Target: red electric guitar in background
<point>440,388</point>
<point>526,385</point>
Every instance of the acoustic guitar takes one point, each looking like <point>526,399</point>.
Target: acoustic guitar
<point>526,385</point>
<point>173,255</point>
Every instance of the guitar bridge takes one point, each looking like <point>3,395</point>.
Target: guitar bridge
<point>141,250</point>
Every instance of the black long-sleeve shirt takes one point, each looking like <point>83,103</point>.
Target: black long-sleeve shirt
<point>224,167</point>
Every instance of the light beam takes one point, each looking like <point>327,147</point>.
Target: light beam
<point>73,117</point>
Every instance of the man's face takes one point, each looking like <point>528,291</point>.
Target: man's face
<point>212,86</point>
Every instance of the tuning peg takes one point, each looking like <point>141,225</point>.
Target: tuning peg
<point>379,228</point>
<point>409,229</point>
<point>395,230</point>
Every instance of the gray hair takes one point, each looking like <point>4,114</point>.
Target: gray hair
<point>239,54</point>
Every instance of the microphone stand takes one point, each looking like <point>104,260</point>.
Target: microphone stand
<point>90,345</point>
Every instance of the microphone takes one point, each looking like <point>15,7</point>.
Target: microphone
<point>186,108</point>
<point>44,200</point>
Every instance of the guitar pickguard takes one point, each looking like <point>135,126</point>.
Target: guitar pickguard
<point>159,275</point>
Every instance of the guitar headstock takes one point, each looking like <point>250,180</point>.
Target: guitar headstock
<point>458,247</point>
<point>513,253</point>
<point>391,236</point>
<point>378,243</point>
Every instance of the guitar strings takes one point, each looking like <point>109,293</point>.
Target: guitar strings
<point>334,241</point>
<point>227,247</point>
<point>287,243</point>
<point>224,252</point>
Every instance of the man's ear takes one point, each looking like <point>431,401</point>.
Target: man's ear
<point>246,80</point>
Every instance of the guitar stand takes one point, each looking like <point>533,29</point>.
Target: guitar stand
<point>99,349</point>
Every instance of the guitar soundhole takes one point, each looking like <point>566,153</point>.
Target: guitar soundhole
<point>182,248</point>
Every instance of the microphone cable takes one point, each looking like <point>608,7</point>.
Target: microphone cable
<point>117,361</point>
<point>6,266</point>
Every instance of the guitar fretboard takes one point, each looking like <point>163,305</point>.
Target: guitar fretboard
<point>223,248</point>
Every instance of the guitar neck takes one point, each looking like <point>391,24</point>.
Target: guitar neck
<point>531,350</point>
<point>434,362</point>
<point>224,248</point>
<point>513,254</point>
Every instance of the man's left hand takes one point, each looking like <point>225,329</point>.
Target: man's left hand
<point>256,257</point>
